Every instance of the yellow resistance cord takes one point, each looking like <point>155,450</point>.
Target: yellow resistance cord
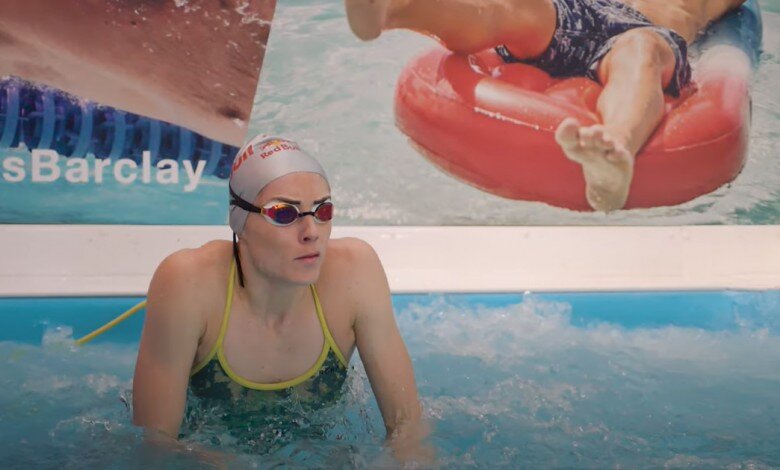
<point>111,324</point>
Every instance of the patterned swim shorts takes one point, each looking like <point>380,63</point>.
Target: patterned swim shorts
<point>585,32</point>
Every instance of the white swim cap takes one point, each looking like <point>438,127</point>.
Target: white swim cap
<point>262,160</point>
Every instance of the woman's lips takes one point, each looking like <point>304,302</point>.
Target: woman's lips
<point>310,257</point>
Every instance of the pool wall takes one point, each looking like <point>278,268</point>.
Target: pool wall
<point>103,260</point>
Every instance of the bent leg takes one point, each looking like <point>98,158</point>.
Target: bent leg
<point>685,17</point>
<point>464,26</point>
<point>634,73</point>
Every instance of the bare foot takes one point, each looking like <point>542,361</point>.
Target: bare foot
<point>366,17</point>
<point>607,165</point>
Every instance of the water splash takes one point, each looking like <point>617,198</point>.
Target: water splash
<point>512,385</point>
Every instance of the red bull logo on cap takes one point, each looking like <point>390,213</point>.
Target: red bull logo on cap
<point>274,143</point>
<point>265,150</point>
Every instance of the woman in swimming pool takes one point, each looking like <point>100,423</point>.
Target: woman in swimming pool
<point>277,313</point>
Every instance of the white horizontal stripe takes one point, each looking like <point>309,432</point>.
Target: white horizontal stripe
<point>88,260</point>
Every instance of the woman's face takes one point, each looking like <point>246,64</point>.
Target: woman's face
<point>295,252</point>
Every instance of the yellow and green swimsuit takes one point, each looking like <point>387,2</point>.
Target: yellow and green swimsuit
<point>244,405</point>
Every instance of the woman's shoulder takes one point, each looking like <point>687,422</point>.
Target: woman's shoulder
<point>193,275</point>
<point>353,266</point>
<point>195,263</point>
<point>352,253</point>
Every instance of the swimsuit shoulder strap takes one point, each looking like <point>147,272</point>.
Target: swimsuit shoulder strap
<point>328,344</point>
<point>223,328</point>
<point>325,330</point>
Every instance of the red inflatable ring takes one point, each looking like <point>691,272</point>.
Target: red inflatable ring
<point>492,125</point>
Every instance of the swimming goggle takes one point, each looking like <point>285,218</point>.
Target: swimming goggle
<point>283,213</point>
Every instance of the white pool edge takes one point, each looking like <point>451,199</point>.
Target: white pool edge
<point>115,260</point>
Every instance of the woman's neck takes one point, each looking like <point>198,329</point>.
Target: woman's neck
<point>269,299</point>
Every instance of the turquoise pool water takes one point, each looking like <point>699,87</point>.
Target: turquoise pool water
<point>636,380</point>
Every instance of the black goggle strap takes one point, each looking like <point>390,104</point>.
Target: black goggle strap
<point>235,200</point>
<point>238,260</point>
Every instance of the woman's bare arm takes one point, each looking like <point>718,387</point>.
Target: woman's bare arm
<point>172,329</point>
<point>386,360</point>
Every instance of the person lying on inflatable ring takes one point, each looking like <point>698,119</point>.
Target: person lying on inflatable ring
<point>636,48</point>
<point>274,316</point>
